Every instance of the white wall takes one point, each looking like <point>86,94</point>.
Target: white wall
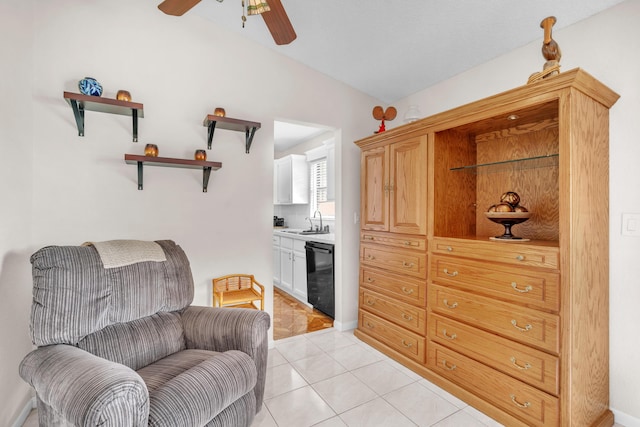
<point>607,46</point>
<point>65,190</point>
<point>16,135</point>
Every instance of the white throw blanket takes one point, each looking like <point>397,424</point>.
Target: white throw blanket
<point>118,253</point>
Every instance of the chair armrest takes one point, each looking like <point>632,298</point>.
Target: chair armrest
<point>224,329</point>
<point>86,389</point>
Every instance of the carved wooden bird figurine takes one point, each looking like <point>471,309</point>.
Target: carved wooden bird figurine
<point>550,49</point>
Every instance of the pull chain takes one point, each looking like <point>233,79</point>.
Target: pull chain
<point>244,18</point>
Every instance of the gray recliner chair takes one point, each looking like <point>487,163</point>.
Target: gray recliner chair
<point>122,346</point>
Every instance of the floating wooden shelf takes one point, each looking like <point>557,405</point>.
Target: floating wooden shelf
<point>227,123</point>
<point>81,103</point>
<point>140,161</point>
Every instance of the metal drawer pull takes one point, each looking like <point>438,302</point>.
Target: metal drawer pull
<point>452,306</point>
<point>447,367</point>
<point>407,264</point>
<point>406,344</point>
<point>520,257</point>
<point>406,290</point>
<point>370,257</point>
<point>518,404</point>
<point>449,337</point>
<point>449,249</point>
<point>524,367</point>
<point>526,328</point>
<point>371,302</point>
<point>370,280</point>
<point>454,274</point>
<point>368,237</point>
<point>407,317</point>
<point>369,325</point>
<point>526,289</point>
<point>408,243</point>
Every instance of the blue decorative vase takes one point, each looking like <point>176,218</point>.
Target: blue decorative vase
<point>90,86</point>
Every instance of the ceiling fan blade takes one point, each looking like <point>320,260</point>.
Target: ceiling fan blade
<point>278,23</point>
<point>177,7</point>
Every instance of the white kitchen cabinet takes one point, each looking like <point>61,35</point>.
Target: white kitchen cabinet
<point>299,270</point>
<point>291,180</point>
<point>286,265</point>
<point>293,268</point>
<point>276,260</point>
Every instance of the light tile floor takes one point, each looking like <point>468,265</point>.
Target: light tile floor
<point>332,379</point>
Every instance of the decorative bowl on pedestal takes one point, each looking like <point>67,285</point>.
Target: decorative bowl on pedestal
<point>508,219</point>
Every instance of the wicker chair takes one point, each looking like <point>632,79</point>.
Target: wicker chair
<point>238,290</point>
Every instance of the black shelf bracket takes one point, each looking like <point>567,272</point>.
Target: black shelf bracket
<point>206,173</point>
<point>134,117</point>
<point>78,113</point>
<point>249,138</point>
<point>140,174</point>
<point>212,129</point>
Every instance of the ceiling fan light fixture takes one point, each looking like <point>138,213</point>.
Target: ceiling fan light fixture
<point>256,7</point>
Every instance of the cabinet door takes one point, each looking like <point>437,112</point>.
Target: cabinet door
<point>286,269</point>
<point>276,265</point>
<point>408,186</point>
<point>300,275</point>
<point>374,196</point>
<point>283,180</point>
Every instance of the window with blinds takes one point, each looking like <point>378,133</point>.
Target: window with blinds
<point>318,191</point>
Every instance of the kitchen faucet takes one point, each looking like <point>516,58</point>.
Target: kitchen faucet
<point>314,215</point>
<point>310,223</point>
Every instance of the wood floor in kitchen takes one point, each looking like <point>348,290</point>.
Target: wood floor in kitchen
<point>291,317</point>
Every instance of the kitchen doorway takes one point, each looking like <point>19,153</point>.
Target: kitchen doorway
<point>304,201</point>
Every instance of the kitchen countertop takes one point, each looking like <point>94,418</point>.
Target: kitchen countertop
<point>325,238</point>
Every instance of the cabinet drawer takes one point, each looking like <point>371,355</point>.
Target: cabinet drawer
<point>276,240</point>
<point>522,324</point>
<point>392,239</point>
<point>532,406</point>
<point>398,260</point>
<point>401,314</point>
<point>401,340</point>
<point>511,253</point>
<point>527,364</point>
<point>413,291</point>
<point>286,242</point>
<point>298,245</point>
<point>530,287</point>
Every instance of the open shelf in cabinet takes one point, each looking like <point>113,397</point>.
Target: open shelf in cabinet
<point>496,155</point>
<point>249,128</point>
<point>80,103</point>
<point>140,161</point>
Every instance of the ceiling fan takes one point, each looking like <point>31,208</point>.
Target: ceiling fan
<point>276,18</point>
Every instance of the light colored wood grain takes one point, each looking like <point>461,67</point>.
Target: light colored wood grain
<point>399,287</point>
<point>405,315</point>
<point>559,303</point>
<point>408,196</point>
<point>522,362</point>
<point>374,197</point>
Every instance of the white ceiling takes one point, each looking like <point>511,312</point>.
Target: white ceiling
<point>390,49</point>
<point>288,134</point>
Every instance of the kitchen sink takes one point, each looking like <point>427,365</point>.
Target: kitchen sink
<point>305,232</point>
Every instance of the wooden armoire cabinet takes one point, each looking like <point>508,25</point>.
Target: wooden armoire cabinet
<point>518,329</point>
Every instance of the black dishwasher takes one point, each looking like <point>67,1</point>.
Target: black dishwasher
<point>320,288</point>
